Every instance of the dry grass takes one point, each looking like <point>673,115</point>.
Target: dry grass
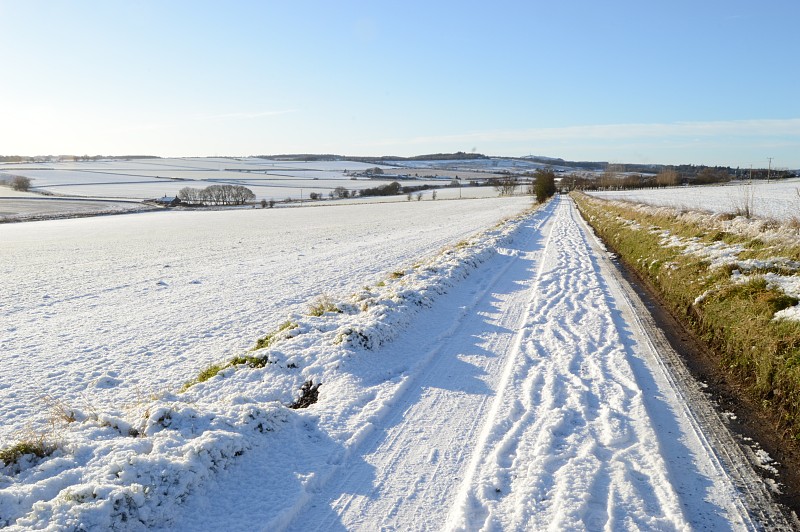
<point>322,305</point>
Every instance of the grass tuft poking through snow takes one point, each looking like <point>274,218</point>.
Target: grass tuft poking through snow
<point>322,305</point>
<point>35,447</point>
<point>281,333</point>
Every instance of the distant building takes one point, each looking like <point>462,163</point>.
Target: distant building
<point>169,201</point>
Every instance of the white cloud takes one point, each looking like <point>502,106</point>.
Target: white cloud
<point>733,128</point>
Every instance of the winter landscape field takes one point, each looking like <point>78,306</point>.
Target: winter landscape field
<point>109,186</point>
<point>779,200</point>
<point>472,365</point>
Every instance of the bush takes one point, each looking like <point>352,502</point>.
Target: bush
<point>309,394</point>
<point>21,183</point>
<point>544,185</point>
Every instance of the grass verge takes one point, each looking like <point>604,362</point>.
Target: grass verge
<point>732,313</point>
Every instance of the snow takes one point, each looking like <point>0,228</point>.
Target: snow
<point>155,297</point>
<point>150,178</point>
<point>502,382</point>
<point>778,200</point>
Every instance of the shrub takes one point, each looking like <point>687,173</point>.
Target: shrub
<point>20,183</point>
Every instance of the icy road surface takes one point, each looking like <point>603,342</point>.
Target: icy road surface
<point>530,399</point>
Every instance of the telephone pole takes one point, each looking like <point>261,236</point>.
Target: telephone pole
<point>769,168</point>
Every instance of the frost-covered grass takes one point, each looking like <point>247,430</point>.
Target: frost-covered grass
<point>735,281</point>
<point>133,468</point>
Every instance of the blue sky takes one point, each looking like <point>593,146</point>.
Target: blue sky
<point>705,82</point>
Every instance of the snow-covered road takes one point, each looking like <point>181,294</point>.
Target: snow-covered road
<point>527,398</point>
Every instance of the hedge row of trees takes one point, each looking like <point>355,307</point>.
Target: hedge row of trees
<point>217,195</point>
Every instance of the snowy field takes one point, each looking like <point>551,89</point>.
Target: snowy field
<point>778,199</point>
<point>507,383</point>
<point>106,311</point>
<point>268,179</point>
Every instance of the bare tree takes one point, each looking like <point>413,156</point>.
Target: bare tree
<point>667,178</point>
<point>217,195</point>
<point>506,185</point>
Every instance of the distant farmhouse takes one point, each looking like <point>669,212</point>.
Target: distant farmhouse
<point>168,201</point>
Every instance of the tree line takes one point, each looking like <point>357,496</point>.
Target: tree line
<point>217,195</point>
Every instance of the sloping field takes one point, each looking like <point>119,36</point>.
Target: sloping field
<point>103,312</point>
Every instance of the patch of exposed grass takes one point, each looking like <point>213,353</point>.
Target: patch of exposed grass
<point>208,373</point>
<point>273,337</point>
<point>214,369</point>
<point>250,361</point>
<point>36,446</point>
<point>396,275</point>
<point>734,318</point>
<point>322,305</point>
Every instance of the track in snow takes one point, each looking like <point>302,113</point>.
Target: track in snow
<point>536,402</point>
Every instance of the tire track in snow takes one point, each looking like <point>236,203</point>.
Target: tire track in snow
<point>569,444</point>
<point>405,473</point>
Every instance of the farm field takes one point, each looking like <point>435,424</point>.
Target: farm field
<point>268,179</point>
<point>778,200</point>
<point>510,381</point>
<point>106,311</point>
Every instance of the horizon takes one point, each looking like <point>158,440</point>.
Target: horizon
<point>372,158</point>
<point>711,84</point>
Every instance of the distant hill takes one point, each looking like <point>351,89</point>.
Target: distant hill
<point>458,156</point>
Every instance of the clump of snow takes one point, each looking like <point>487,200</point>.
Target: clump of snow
<point>719,253</point>
<point>789,314</point>
<point>702,297</point>
<point>765,461</point>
